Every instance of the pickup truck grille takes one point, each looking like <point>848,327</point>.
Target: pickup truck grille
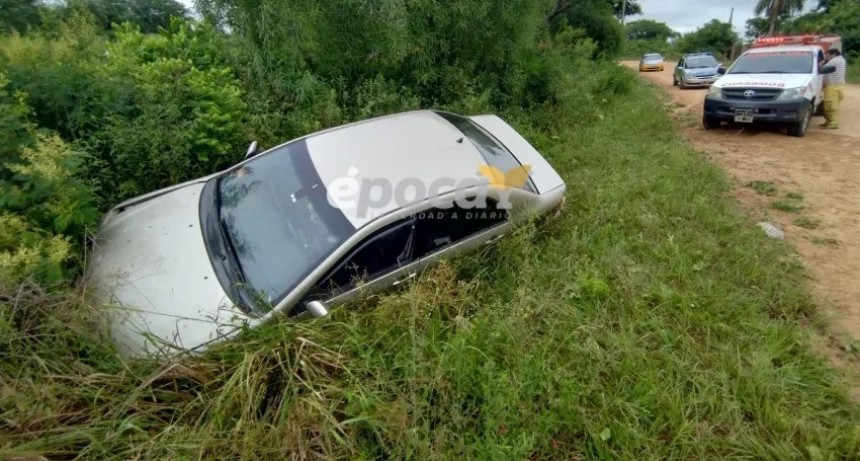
<point>759,94</point>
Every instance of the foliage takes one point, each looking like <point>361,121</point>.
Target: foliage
<point>153,109</point>
<point>716,36</point>
<point>777,10</point>
<point>184,117</point>
<point>18,15</point>
<point>597,20</point>
<point>15,127</point>
<point>43,204</point>
<point>649,29</point>
<point>148,15</point>
<point>839,17</point>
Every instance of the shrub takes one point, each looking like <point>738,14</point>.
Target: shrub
<point>43,205</point>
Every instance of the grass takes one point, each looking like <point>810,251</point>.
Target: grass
<point>763,187</point>
<point>807,223</point>
<point>789,204</point>
<point>651,320</point>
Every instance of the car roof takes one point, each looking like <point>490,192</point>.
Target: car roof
<point>419,148</point>
<point>774,49</point>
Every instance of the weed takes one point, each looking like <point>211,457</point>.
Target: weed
<point>794,196</point>
<point>807,223</point>
<point>763,187</point>
<point>786,205</point>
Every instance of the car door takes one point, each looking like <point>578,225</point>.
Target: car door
<point>679,69</point>
<point>817,78</point>
<point>380,261</point>
<point>443,233</point>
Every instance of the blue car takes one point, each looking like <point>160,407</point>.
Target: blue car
<point>696,70</point>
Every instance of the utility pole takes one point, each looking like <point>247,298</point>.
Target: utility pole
<point>623,11</point>
<point>732,51</point>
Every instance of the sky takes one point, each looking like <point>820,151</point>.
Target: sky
<point>688,15</point>
<point>685,15</point>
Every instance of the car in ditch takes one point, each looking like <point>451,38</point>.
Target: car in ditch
<point>779,80</point>
<point>696,70</point>
<point>651,62</point>
<point>311,224</point>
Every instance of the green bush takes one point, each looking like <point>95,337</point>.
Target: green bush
<point>43,206</point>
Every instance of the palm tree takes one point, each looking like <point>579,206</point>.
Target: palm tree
<point>776,9</point>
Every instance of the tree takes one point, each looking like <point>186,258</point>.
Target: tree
<point>149,15</point>
<point>775,10</point>
<point>563,6</point>
<point>716,36</point>
<point>648,29</point>
<point>594,17</point>
<point>18,15</point>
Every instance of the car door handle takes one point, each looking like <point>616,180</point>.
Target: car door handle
<point>404,279</point>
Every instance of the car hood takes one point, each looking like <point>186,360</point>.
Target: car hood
<point>762,80</point>
<point>151,270</point>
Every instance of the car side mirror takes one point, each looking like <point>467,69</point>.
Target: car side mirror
<point>253,150</point>
<point>721,70</point>
<point>316,309</point>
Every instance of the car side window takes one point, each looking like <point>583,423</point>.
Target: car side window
<point>681,64</point>
<point>381,253</point>
<point>438,228</point>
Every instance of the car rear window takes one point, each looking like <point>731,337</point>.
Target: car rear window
<point>493,152</point>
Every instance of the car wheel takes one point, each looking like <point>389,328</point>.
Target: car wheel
<point>674,81</point>
<point>798,129</point>
<point>819,109</point>
<point>710,122</point>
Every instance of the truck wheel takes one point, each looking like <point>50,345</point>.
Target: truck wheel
<point>710,122</point>
<point>819,109</point>
<point>798,129</point>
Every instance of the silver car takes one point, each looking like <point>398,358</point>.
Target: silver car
<point>311,224</point>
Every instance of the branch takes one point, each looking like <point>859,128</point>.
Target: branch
<point>560,7</point>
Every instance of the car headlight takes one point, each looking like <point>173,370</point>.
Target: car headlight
<point>791,93</point>
<point>715,92</point>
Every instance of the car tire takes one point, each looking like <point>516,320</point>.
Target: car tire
<point>710,122</point>
<point>798,129</point>
<point>674,81</point>
<point>819,109</point>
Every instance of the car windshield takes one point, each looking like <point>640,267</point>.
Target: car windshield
<point>701,62</point>
<point>278,221</point>
<point>774,62</point>
<point>652,57</point>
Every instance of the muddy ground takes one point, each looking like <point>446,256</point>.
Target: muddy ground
<point>821,175</point>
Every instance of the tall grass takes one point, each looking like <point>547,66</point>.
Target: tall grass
<point>650,320</point>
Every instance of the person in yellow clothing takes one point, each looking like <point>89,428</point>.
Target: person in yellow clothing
<point>834,88</point>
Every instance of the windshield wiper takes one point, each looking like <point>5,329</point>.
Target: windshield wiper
<point>775,72</point>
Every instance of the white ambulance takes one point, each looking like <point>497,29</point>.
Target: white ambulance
<point>778,80</point>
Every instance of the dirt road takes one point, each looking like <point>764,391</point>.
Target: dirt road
<point>823,168</point>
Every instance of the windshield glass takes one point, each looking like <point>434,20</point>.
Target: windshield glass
<point>701,62</point>
<point>774,62</point>
<point>278,220</point>
<point>652,57</point>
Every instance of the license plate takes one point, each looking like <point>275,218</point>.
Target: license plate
<point>743,116</point>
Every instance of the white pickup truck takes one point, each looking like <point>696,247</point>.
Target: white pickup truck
<point>778,80</point>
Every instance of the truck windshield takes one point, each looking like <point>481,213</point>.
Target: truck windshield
<point>278,222</point>
<point>774,62</point>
